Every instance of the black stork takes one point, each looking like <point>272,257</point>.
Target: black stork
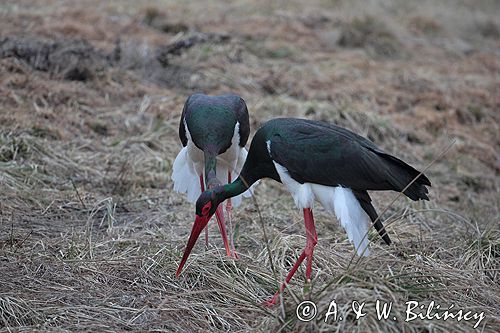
<point>323,162</point>
<point>213,131</point>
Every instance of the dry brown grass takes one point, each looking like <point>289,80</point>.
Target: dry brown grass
<point>91,233</point>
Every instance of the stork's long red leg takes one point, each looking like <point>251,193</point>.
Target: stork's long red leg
<point>220,220</point>
<point>219,214</point>
<point>202,185</point>
<point>311,241</point>
<point>229,210</point>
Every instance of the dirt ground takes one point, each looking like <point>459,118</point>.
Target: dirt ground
<point>91,232</point>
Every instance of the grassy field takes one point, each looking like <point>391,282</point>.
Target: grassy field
<point>91,93</point>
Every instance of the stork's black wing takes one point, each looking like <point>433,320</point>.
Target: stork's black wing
<point>211,121</point>
<point>242,115</point>
<point>182,129</point>
<point>330,155</point>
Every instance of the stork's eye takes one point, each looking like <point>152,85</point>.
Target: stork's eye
<point>206,209</point>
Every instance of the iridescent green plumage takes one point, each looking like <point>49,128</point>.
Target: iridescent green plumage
<point>211,122</point>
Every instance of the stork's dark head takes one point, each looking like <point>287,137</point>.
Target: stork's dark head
<point>206,206</point>
<point>208,201</point>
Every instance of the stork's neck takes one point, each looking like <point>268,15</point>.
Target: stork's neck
<point>210,167</point>
<point>235,188</point>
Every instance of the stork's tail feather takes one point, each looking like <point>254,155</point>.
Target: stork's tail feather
<point>401,174</point>
<point>365,202</point>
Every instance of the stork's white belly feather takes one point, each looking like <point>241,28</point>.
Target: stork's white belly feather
<point>335,199</point>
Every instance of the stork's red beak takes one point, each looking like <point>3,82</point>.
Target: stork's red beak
<point>199,224</point>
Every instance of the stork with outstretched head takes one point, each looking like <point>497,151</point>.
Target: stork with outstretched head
<point>323,162</point>
<point>213,131</point>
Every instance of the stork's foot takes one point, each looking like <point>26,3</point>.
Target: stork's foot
<point>307,287</point>
<point>234,255</point>
<point>272,301</point>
